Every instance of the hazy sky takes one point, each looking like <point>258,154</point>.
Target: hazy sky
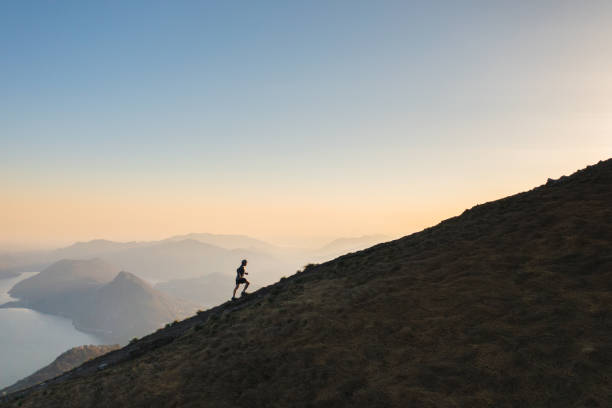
<point>143,119</point>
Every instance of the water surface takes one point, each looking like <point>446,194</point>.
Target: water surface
<point>30,340</point>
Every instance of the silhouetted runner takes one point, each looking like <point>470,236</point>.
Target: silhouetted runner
<point>240,272</point>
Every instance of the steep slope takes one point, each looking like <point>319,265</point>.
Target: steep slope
<point>507,305</point>
<point>65,362</point>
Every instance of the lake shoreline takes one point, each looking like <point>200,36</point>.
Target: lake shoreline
<point>31,339</point>
<point>102,335</point>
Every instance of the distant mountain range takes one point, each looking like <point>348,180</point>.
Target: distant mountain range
<point>195,269</point>
<point>115,306</point>
<point>180,259</point>
<point>65,362</point>
<point>190,256</point>
<point>228,241</point>
<point>93,248</point>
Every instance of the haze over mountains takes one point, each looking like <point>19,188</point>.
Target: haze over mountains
<point>190,270</point>
<point>507,304</point>
<point>228,241</point>
<point>342,246</point>
<point>61,279</point>
<point>207,291</point>
<point>188,256</point>
<point>128,307</point>
<point>99,299</point>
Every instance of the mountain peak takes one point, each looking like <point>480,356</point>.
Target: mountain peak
<point>123,275</point>
<point>125,278</point>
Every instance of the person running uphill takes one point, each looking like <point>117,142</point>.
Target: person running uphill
<point>240,272</point>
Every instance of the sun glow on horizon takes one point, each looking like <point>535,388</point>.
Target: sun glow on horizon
<point>290,122</point>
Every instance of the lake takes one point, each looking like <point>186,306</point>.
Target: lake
<point>30,340</point>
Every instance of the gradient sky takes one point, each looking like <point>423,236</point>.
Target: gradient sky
<point>289,120</point>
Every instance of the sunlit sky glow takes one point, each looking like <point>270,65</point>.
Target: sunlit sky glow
<point>289,121</point>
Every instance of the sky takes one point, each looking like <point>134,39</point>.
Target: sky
<point>289,121</point>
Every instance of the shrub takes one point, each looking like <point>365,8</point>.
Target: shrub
<point>309,266</point>
<point>134,340</point>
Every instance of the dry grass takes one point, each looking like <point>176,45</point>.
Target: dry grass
<point>507,305</point>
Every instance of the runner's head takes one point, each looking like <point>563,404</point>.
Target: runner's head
<point>244,262</point>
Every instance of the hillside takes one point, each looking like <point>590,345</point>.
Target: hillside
<point>508,304</point>
<point>65,362</point>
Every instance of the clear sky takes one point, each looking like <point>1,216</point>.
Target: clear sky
<point>289,120</point>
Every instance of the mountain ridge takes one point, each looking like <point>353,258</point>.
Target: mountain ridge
<point>215,254</point>
<point>507,304</point>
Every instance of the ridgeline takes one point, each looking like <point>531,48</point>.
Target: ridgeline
<point>509,304</point>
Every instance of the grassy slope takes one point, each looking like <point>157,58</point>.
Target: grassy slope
<point>507,305</point>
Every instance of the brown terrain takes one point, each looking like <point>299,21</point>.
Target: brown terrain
<point>507,305</point>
